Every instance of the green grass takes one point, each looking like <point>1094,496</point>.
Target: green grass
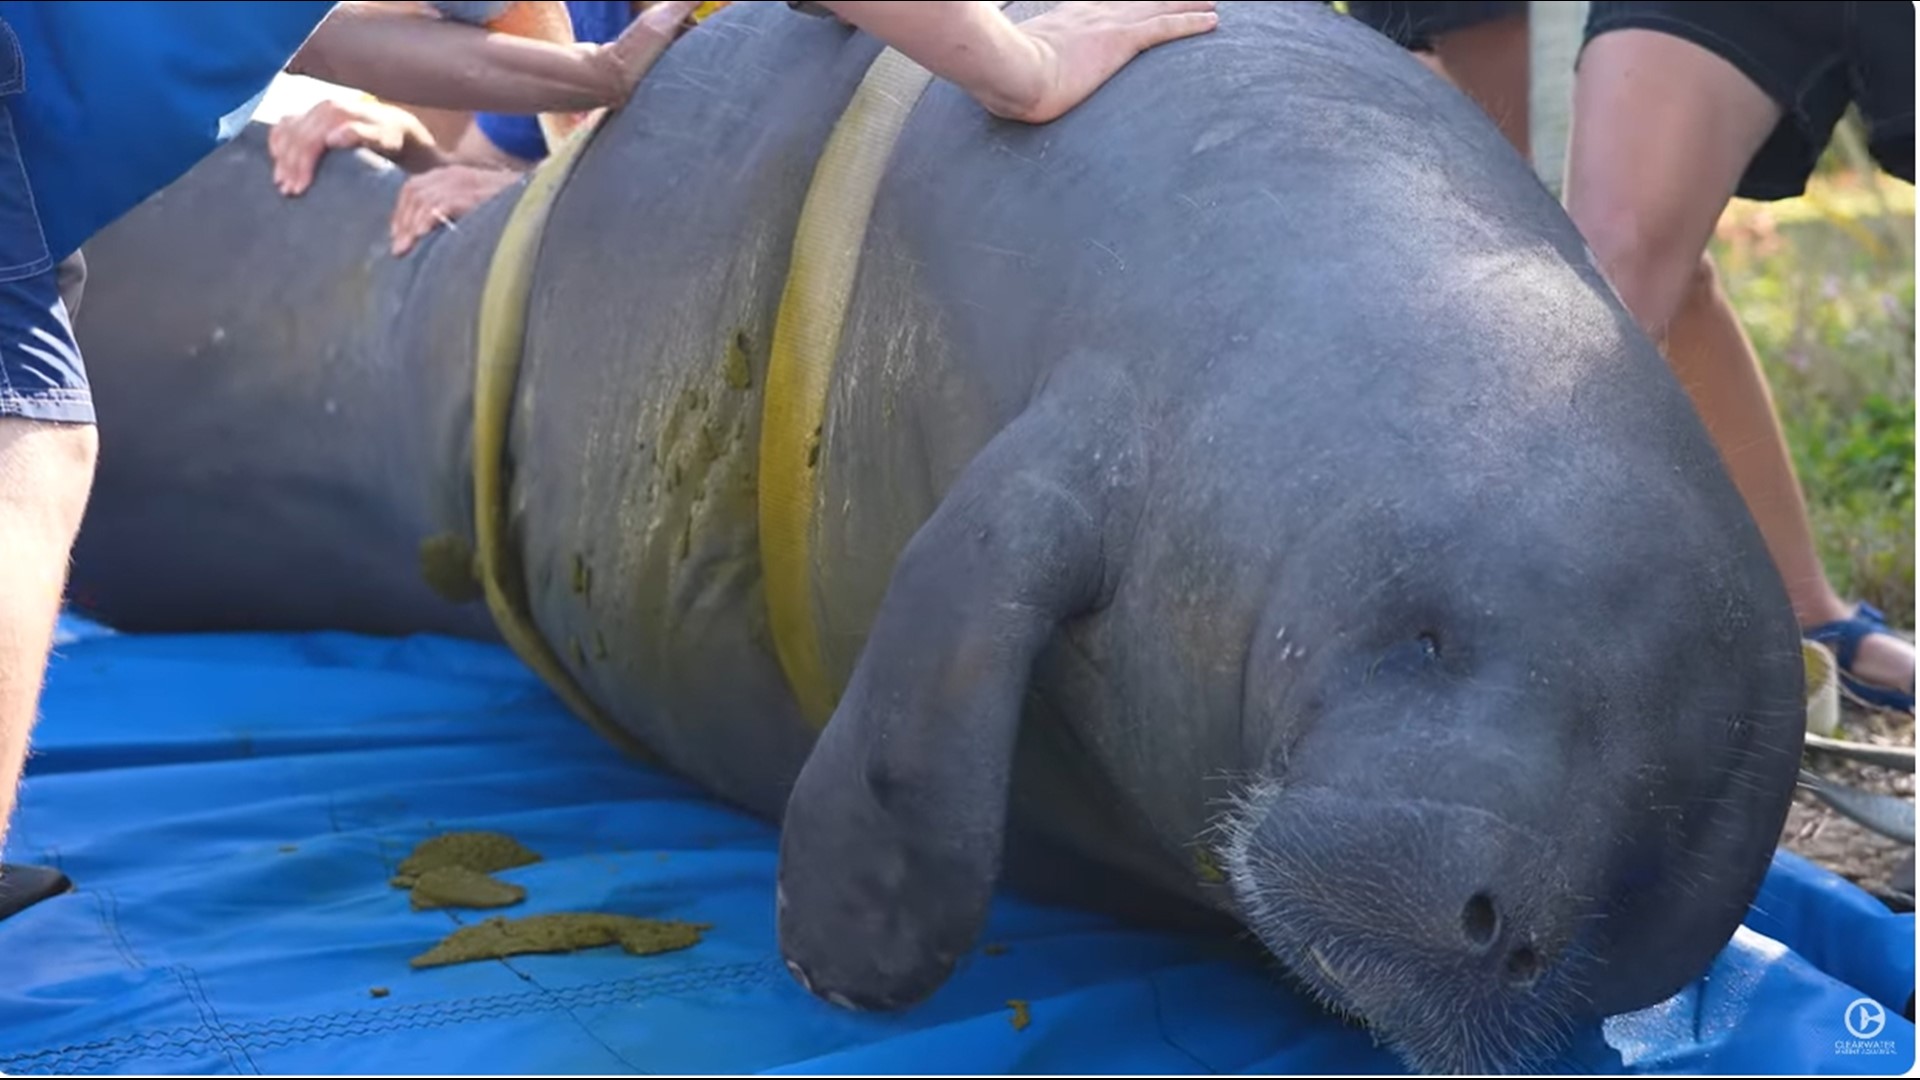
<point>1824,286</point>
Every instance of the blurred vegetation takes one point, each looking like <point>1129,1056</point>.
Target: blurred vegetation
<point>1824,286</point>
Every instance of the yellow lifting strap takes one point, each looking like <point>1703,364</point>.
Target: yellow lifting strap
<point>501,341</point>
<point>826,252</point>
<point>827,245</point>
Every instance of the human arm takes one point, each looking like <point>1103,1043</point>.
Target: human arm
<point>397,53</point>
<point>297,143</point>
<point>1034,71</point>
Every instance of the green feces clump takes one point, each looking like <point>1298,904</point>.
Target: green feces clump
<point>481,852</point>
<point>459,887</point>
<point>498,938</point>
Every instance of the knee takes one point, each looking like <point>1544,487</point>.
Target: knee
<point>1703,285</point>
<point>1653,269</point>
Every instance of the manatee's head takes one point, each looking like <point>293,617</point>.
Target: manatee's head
<point>1521,756</point>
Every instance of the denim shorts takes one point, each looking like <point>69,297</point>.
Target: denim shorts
<point>41,373</point>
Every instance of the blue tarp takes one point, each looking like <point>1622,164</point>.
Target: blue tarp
<point>231,808</point>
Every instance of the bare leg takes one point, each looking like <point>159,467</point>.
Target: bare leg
<point>1715,361</point>
<point>1662,132</point>
<point>46,470</point>
<point>1489,63</point>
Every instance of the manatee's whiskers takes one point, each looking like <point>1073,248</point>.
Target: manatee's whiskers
<point>1358,956</point>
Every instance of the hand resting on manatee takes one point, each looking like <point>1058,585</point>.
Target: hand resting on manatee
<point>494,151</point>
<point>1035,72</point>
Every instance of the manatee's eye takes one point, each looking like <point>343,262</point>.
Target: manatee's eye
<point>1407,657</point>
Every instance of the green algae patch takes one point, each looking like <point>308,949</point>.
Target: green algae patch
<point>993,949</point>
<point>459,887</point>
<point>498,938</point>
<point>1021,1015</point>
<point>481,852</point>
<point>446,564</point>
<point>1208,867</point>
<point>378,992</point>
<point>739,371</point>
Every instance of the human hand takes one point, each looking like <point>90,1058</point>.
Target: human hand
<point>441,197</point>
<point>630,55</point>
<point>1079,46</point>
<point>298,143</point>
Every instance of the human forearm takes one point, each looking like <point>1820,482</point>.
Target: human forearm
<point>1034,71</point>
<point>403,57</point>
<point>970,44</point>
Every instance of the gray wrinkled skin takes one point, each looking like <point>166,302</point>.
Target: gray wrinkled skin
<point>1253,456</point>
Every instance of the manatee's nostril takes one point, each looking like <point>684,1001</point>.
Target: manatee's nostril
<point>1481,920</point>
<point>1430,644</point>
<point>1522,966</point>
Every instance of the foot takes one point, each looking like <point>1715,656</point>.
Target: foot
<point>1876,665</point>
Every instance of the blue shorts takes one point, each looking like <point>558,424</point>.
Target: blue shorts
<point>41,374</point>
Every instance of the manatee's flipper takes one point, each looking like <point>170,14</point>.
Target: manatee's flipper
<point>892,841</point>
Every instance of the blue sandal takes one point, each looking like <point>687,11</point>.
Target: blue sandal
<point>1843,636</point>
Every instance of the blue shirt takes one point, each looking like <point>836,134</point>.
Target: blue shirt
<point>596,21</point>
<point>122,99</point>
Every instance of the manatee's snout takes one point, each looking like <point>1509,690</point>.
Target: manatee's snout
<point>1446,927</point>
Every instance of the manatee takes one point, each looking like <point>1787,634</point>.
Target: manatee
<point>1239,503</point>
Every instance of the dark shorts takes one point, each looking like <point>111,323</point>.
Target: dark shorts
<point>41,375</point>
<point>1813,60</point>
<point>1414,25</point>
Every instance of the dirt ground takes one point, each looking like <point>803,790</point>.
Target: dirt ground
<point>1819,833</point>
